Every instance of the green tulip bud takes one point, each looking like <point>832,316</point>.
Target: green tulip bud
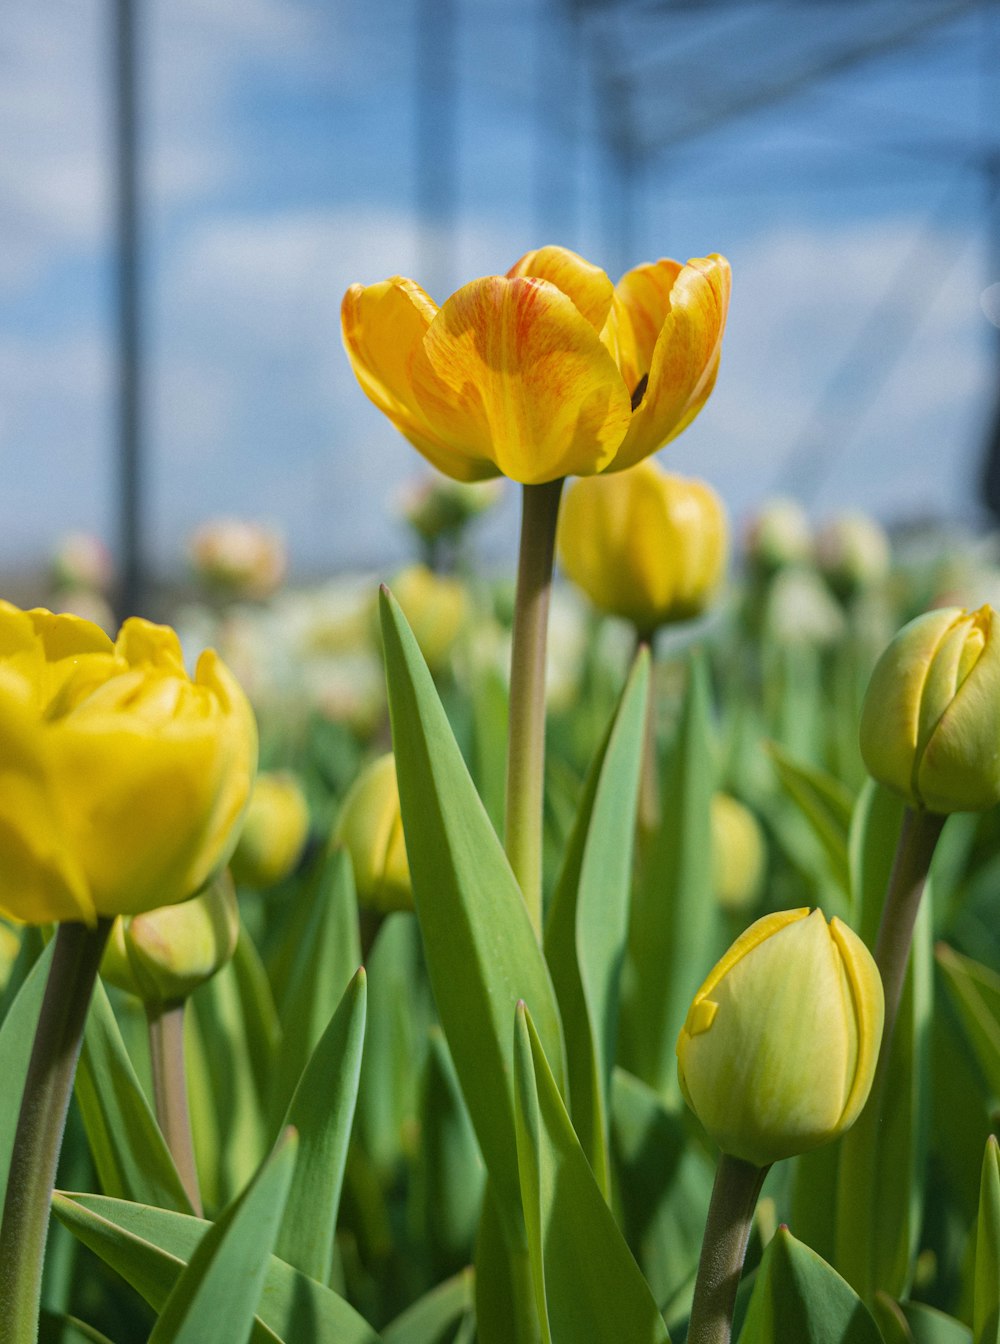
<point>930,724</point>
<point>274,832</point>
<point>162,956</point>
<point>778,1052</point>
<point>738,853</point>
<point>370,828</point>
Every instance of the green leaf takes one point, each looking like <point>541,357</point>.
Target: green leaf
<point>587,1284</point>
<point>482,954</point>
<point>587,928</point>
<point>975,992</point>
<point>798,1296</point>
<point>260,1017</point>
<point>891,1321</point>
<point>437,1313</point>
<point>824,801</point>
<point>215,1296</point>
<point>672,939</point>
<point>129,1152</point>
<point>17,1036</point>
<point>59,1329</point>
<point>986,1308</point>
<point>322,1112</point>
<point>929,1326</point>
<point>150,1247</point>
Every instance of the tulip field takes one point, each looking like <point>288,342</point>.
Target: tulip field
<point>605,950</point>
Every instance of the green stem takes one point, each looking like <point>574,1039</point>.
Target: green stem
<point>649,780</point>
<point>526,727</point>
<point>166,1052</point>
<point>42,1119</point>
<point>723,1249</point>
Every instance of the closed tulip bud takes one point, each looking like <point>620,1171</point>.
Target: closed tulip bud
<point>853,552</point>
<point>124,779</point>
<point>274,833</point>
<point>162,956</point>
<point>778,536</point>
<point>439,507</point>
<point>644,544</point>
<point>930,724</point>
<point>370,828</point>
<point>435,607</point>
<point>779,1048</point>
<point>738,853</point>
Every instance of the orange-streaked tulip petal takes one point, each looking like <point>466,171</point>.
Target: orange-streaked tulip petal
<point>517,366</point>
<point>384,326</point>
<point>685,359</point>
<point>641,308</point>
<point>583,282</point>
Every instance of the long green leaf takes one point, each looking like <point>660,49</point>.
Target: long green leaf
<point>927,1325</point>
<point>59,1329</point>
<point>130,1154</point>
<point>672,939</point>
<point>482,954</point>
<point>587,1284</point>
<point>798,1296</point>
<point>825,803</point>
<point>17,1035</point>
<point>322,1112</point>
<point>587,928</point>
<point>150,1247</point>
<point>437,1312</point>
<point>986,1307</point>
<point>975,992</point>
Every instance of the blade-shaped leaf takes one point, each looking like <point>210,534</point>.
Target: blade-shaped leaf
<point>798,1296</point>
<point>17,1035</point>
<point>975,991</point>
<point>930,1326</point>
<point>826,804</point>
<point>150,1247</point>
<point>437,1312</point>
<point>130,1154</point>
<point>58,1329</point>
<point>587,928</point>
<point>986,1308</point>
<point>482,954</point>
<point>322,1113</point>
<point>587,1284</point>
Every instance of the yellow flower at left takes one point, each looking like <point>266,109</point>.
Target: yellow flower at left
<point>122,779</point>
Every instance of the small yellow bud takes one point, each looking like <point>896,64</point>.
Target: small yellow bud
<point>930,724</point>
<point>164,955</point>
<point>644,544</point>
<point>779,1048</point>
<point>370,828</point>
<point>738,853</point>
<point>435,607</point>
<point>274,833</point>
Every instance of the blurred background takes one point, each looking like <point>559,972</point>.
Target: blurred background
<point>188,188</point>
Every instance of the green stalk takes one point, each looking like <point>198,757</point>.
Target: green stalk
<point>526,725</point>
<point>723,1249</point>
<point>859,1147</point>
<point>42,1119</point>
<point>170,1096</point>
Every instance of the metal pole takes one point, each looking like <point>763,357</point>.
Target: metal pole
<point>131,594</point>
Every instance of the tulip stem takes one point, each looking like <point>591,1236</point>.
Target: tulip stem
<point>526,724</point>
<point>723,1249</point>
<point>76,958</point>
<point>649,780</point>
<point>170,1096</point>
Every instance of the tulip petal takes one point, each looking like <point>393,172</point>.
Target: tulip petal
<point>522,375</point>
<point>586,284</point>
<point>45,647</point>
<point>684,361</point>
<point>383,327</point>
<point>868,1002</point>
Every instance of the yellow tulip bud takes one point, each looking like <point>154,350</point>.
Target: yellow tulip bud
<point>779,1048</point>
<point>930,724</point>
<point>162,956</point>
<point>370,828</point>
<point>644,544</point>
<point>435,607</point>
<point>274,832</point>
<point>124,779</point>
<point>738,853</point>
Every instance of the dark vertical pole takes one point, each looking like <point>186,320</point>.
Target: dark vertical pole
<point>131,590</point>
<point>436,144</point>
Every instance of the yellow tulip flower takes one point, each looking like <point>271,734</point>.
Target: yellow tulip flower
<point>779,1049</point>
<point>644,544</point>
<point>547,371</point>
<point>370,827</point>
<point>930,723</point>
<point>274,832</point>
<point>123,778</point>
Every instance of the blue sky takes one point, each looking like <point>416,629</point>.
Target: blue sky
<point>279,168</point>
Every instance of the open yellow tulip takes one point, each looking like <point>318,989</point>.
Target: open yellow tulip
<point>123,778</point>
<point>547,371</point>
